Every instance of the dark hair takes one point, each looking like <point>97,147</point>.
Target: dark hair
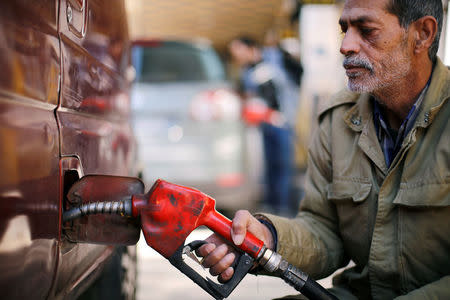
<point>409,11</point>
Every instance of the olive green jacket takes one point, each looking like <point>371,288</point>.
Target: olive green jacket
<point>393,223</point>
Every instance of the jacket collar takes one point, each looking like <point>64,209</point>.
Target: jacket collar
<point>438,93</point>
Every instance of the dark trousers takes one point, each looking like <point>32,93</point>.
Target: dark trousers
<point>278,155</point>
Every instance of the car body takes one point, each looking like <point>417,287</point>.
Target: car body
<point>64,113</point>
<point>187,121</point>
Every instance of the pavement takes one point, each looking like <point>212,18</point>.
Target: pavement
<point>158,279</point>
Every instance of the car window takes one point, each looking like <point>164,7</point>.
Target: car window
<point>172,62</point>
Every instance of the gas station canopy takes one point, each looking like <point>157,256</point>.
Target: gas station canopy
<point>216,20</point>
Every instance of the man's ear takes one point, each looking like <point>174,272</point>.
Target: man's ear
<point>425,32</point>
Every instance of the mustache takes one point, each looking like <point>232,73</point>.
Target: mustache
<point>357,62</point>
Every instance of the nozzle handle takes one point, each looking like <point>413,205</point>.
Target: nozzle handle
<point>171,212</point>
<point>218,291</point>
<point>222,226</point>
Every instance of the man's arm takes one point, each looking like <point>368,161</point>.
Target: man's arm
<point>312,241</point>
<point>436,290</point>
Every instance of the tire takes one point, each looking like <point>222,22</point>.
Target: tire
<point>118,279</point>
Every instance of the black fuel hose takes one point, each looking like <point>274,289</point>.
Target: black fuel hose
<point>122,207</point>
<point>313,290</point>
<point>299,280</point>
<point>304,284</point>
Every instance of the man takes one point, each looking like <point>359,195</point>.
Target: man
<point>378,182</point>
<point>263,77</point>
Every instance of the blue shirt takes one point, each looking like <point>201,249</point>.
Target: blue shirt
<point>391,140</point>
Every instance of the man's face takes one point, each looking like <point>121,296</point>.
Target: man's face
<point>241,53</point>
<point>375,46</point>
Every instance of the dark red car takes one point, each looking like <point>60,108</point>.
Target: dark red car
<point>64,113</point>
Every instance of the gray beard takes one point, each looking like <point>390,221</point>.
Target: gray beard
<point>382,76</point>
<point>383,80</point>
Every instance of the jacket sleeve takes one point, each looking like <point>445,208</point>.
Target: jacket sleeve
<point>311,241</point>
<point>436,290</point>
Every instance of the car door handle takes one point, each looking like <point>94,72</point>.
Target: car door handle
<point>76,12</point>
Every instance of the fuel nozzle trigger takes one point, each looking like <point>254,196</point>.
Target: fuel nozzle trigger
<point>218,291</point>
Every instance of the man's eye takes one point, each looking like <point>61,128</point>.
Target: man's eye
<point>366,31</point>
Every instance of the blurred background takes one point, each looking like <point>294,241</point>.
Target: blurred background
<point>186,105</point>
<point>185,100</point>
<point>187,108</point>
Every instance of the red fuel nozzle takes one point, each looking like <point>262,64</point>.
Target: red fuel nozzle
<point>169,213</point>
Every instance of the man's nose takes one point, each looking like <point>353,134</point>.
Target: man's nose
<point>350,43</point>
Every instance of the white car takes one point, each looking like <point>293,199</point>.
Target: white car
<point>187,120</point>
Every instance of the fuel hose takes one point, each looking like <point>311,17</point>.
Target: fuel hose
<point>122,207</point>
<point>274,263</point>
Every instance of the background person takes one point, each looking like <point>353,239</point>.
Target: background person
<point>263,77</point>
<point>377,190</point>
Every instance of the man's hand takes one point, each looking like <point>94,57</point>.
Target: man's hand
<point>219,255</point>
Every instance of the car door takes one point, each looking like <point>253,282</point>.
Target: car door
<point>93,117</point>
<point>29,148</point>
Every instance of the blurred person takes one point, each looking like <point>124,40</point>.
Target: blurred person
<point>377,187</point>
<point>263,77</point>
<point>284,54</point>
